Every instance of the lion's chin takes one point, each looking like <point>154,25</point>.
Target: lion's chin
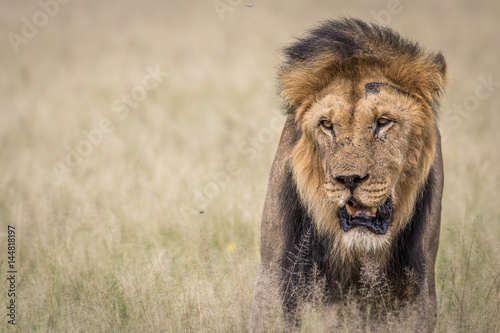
<point>361,240</point>
<point>366,219</point>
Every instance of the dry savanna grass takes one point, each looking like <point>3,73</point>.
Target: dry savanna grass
<point>135,144</point>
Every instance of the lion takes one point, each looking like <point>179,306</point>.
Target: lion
<point>357,179</point>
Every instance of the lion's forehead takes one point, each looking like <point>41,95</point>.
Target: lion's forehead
<point>347,101</point>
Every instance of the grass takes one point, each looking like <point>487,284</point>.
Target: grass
<point>158,228</point>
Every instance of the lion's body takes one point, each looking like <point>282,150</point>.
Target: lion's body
<point>358,174</point>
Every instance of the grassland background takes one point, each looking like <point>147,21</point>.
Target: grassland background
<point>107,247</point>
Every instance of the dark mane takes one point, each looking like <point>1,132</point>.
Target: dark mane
<point>349,46</point>
<point>349,38</point>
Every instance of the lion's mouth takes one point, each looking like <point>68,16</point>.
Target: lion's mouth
<point>375,219</point>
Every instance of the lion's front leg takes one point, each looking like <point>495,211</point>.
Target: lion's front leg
<point>267,311</point>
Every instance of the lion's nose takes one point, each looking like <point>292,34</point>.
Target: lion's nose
<point>352,181</point>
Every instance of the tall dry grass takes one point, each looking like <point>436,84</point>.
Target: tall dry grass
<point>158,228</point>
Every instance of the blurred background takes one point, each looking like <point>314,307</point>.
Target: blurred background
<point>136,139</point>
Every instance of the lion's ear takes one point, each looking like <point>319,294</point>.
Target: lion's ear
<point>437,76</point>
<point>443,70</point>
<point>441,63</point>
<point>299,81</point>
<point>425,75</point>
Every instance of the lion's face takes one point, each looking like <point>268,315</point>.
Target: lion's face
<point>367,146</point>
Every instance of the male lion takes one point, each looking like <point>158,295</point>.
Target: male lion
<point>357,179</point>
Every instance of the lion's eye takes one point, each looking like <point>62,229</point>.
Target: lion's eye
<point>326,124</point>
<point>383,121</point>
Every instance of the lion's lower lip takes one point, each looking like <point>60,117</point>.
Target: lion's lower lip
<point>377,220</point>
